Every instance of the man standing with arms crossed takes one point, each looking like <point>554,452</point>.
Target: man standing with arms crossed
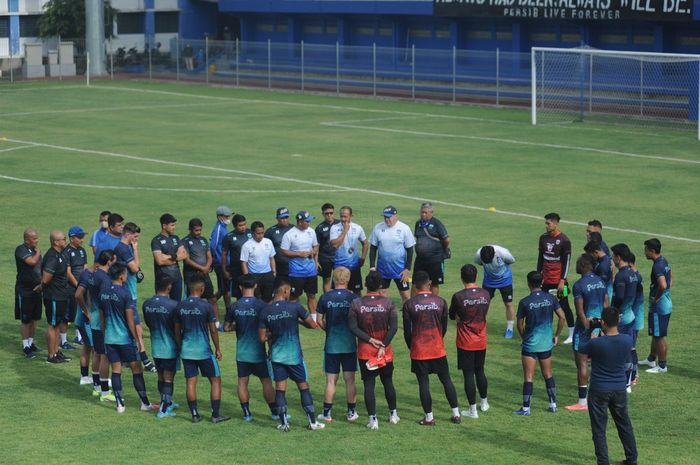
<point>168,252</point>
<point>553,263</point>
<point>344,238</point>
<point>432,247</point>
<point>391,247</point>
<point>231,253</point>
<point>199,262</point>
<point>27,300</point>
<point>660,306</point>
<point>424,328</point>
<point>326,251</point>
<point>301,246</point>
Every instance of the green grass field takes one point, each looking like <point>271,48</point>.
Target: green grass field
<point>67,152</point>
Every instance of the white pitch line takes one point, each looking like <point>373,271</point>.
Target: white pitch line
<point>166,189</point>
<point>514,142</point>
<point>339,188</point>
<point>193,176</point>
<point>15,148</point>
<point>120,108</point>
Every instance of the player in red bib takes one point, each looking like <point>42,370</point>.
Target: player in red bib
<point>373,320</point>
<point>553,262</point>
<point>424,327</point>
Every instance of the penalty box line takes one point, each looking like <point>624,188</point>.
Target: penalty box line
<point>336,186</point>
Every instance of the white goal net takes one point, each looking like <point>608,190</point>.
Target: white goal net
<point>629,88</point>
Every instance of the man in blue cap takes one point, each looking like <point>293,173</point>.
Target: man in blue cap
<point>391,248</point>
<point>77,260</point>
<point>300,245</point>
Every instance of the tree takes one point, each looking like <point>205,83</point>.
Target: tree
<point>66,18</point>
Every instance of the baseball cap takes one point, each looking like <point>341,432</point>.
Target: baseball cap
<point>304,216</point>
<point>223,210</point>
<point>389,210</point>
<point>76,231</point>
<point>283,212</point>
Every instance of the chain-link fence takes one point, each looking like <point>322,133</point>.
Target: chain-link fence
<point>58,58</point>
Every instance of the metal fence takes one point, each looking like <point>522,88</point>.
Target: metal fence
<point>489,77</point>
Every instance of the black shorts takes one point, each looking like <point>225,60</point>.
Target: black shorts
<point>355,283</point>
<point>69,316</point>
<point>27,306</point>
<point>386,371</point>
<point>386,283</point>
<point>537,355</point>
<point>303,285</point>
<point>208,286</point>
<point>326,267</point>
<point>123,353</point>
<point>86,334</point>
<point>436,270</point>
<point>98,341</point>
<point>266,285</point>
<point>260,369</point>
<point>332,363</point>
<point>506,292</point>
<point>436,366</point>
<point>55,311</point>
<point>166,364</point>
<point>470,360</point>
<point>221,283</point>
<point>209,367</point>
<point>233,285</point>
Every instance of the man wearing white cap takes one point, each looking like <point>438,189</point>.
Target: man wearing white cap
<point>391,248</point>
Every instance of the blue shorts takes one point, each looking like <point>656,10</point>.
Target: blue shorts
<point>71,310</point>
<point>259,369</point>
<point>663,306</point>
<point>627,329</point>
<point>537,355</point>
<point>658,324</point>
<point>166,364</point>
<point>124,353</point>
<point>86,333</point>
<point>333,362</point>
<point>209,367</point>
<point>581,337</point>
<point>98,341</point>
<point>296,373</point>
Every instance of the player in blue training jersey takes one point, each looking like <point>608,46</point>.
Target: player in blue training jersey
<point>391,247</point>
<point>638,313</point>
<point>603,265</point>
<point>496,261</point>
<point>159,315</point>
<point>88,298</point>
<point>340,349</point>
<point>117,310</point>
<point>660,306</point>
<point>250,352</point>
<point>624,293</point>
<point>590,298</point>
<point>88,357</point>
<point>535,316</point>
<point>194,323</point>
<point>278,324</point>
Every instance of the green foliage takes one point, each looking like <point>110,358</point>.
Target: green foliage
<point>66,18</point>
<point>199,147</point>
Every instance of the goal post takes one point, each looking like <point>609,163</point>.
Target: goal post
<point>615,87</point>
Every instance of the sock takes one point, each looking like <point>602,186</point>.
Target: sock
<point>351,407</point>
<point>78,336</point>
<point>651,358</point>
<point>327,409</point>
<point>117,387</point>
<point>215,405</point>
<point>527,395</point>
<point>314,316</point>
<point>95,379</point>
<point>373,418</point>
<point>281,402</point>
<point>393,412</point>
<point>26,344</point>
<point>455,411</point>
<point>64,338</point>
<point>246,409</point>
<point>273,407</point>
<point>662,363</point>
<point>551,390</point>
<point>484,400</point>
<point>582,391</point>
<point>308,404</point>
<point>167,396</point>
<point>571,331</point>
<point>144,357</point>
<point>192,404</point>
<point>429,416</point>
<point>104,386</point>
<point>472,408</point>
<point>31,341</point>
<point>83,371</point>
<point>509,324</point>
<point>140,386</point>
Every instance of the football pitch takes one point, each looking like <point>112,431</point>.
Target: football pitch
<point>68,151</point>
